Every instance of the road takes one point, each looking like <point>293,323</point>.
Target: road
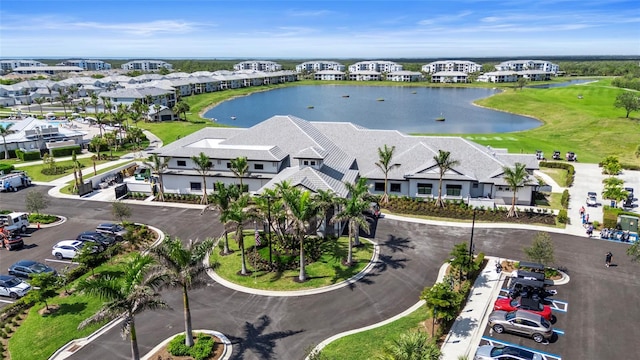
<point>598,324</point>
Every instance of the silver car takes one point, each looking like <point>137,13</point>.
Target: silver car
<point>502,352</point>
<point>522,323</point>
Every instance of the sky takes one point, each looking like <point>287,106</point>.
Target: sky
<point>243,29</point>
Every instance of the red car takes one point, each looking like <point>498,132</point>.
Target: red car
<point>526,304</point>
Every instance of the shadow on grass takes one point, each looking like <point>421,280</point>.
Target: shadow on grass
<point>257,341</point>
<point>65,309</point>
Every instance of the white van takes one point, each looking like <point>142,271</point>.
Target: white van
<point>15,221</point>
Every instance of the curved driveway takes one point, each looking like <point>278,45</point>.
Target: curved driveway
<point>263,327</point>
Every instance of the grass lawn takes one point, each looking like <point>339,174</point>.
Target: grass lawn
<point>558,175</point>
<point>35,171</point>
<point>589,126</point>
<point>552,201</point>
<point>366,345</point>
<point>53,331</point>
<point>326,271</point>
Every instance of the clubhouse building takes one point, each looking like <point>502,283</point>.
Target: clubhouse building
<point>325,155</point>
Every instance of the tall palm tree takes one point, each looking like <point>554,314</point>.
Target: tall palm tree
<point>94,101</point>
<point>111,139</point>
<point>64,100</point>
<point>221,200</point>
<point>236,216</point>
<point>107,107</point>
<point>445,163</point>
<point>83,103</point>
<point>352,212</point>
<point>127,294</point>
<point>325,200</point>
<point>301,209</point>
<point>96,143</point>
<point>101,120</point>
<point>203,166</point>
<point>157,165</point>
<point>40,101</point>
<point>515,177</point>
<point>50,94</point>
<point>240,167</point>
<point>384,163</point>
<point>5,129</point>
<point>184,267</point>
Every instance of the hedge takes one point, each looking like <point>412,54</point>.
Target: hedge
<point>610,216</point>
<point>65,151</point>
<point>571,172</point>
<point>564,200</point>
<point>28,156</point>
<point>6,168</point>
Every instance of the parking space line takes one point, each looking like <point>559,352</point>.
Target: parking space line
<point>545,355</point>
<point>558,331</point>
<point>6,301</point>
<point>61,261</point>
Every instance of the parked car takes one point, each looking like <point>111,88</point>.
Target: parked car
<point>67,249</point>
<point>27,268</point>
<point>522,323</point>
<point>502,352</point>
<point>523,303</point>
<point>116,230</point>
<point>103,241</point>
<point>592,199</point>
<point>10,241</point>
<point>13,287</point>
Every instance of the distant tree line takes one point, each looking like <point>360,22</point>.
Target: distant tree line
<point>627,82</point>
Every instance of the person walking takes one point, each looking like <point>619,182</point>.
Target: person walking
<point>582,211</point>
<point>608,258</point>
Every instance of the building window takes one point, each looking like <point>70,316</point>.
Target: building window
<point>228,165</point>
<point>196,186</point>
<point>182,163</point>
<point>258,166</point>
<point>305,162</point>
<point>454,190</point>
<point>313,163</point>
<point>425,189</point>
<point>475,185</point>
<point>394,187</point>
<point>379,186</point>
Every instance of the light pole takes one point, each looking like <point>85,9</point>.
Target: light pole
<point>471,246</point>
<point>269,227</point>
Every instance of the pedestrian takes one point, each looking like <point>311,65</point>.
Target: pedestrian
<point>608,258</point>
<point>582,211</point>
<point>590,230</point>
<point>586,218</point>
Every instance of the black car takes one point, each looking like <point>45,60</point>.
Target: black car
<point>103,241</point>
<point>116,230</point>
<point>27,268</point>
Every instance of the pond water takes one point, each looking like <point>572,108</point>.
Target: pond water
<point>407,109</point>
<point>562,84</point>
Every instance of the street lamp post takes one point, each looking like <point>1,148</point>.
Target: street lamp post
<point>471,246</point>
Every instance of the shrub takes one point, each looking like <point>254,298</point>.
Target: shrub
<point>563,218</point>
<point>6,168</point>
<point>28,156</point>
<point>564,201</point>
<point>201,349</point>
<point>42,218</point>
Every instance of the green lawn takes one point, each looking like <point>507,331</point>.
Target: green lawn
<point>53,331</point>
<point>558,175</point>
<point>590,126</point>
<point>326,271</point>
<point>366,345</point>
<point>552,201</point>
<point>35,171</point>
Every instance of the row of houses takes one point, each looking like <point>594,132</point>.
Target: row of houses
<point>325,155</point>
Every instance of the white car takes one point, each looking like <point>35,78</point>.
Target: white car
<point>592,199</point>
<point>490,352</point>
<point>67,249</point>
<point>13,287</point>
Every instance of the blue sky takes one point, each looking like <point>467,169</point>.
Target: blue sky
<point>317,29</point>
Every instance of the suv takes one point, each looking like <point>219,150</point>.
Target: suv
<point>592,199</point>
<point>67,249</point>
<point>27,268</point>
<point>13,287</point>
<point>101,240</point>
<point>116,230</point>
<point>522,323</point>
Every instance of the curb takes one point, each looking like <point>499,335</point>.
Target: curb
<point>252,291</point>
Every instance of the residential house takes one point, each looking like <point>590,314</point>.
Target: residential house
<point>452,65</point>
<point>329,75</point>
<point>319,65</point>
<point>404,76</point>
<point>268,66</point>
<point>146,65</point>
<point>87,65</point>
<point>450,77</point>
<point>377,66</point>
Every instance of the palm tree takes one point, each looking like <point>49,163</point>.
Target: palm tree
<point>157,165</point>
<point>515,178</point>
<point>100,119</point>
<point>325,200</point>
<point>94,102</point>
<point>352,211</point>
<point>5,129</point>
<point>107,104</point>
<point>412,345</point>
<point>236,215</point>
<point>221,200</point>
<point>203,166</point>
<point>96,143</point>
<point>240,167</point>
<point>301,209</point>
<point>184,266</point>
<point>40,101</point>
<point>64,100</point>
<point>127,294</point>
<point>384,163</point>
<point>445,163</point>
<point>50,95</point>
<point>181,107</point>
<point>156,109</point>
<point>83,106</point>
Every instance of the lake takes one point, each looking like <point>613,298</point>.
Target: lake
<point>407,109</point>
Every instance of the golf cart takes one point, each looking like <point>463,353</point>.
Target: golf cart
<point>571,156</point>
<point>592,199</point>
<point>540,155</point>
<point>556,155</point>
